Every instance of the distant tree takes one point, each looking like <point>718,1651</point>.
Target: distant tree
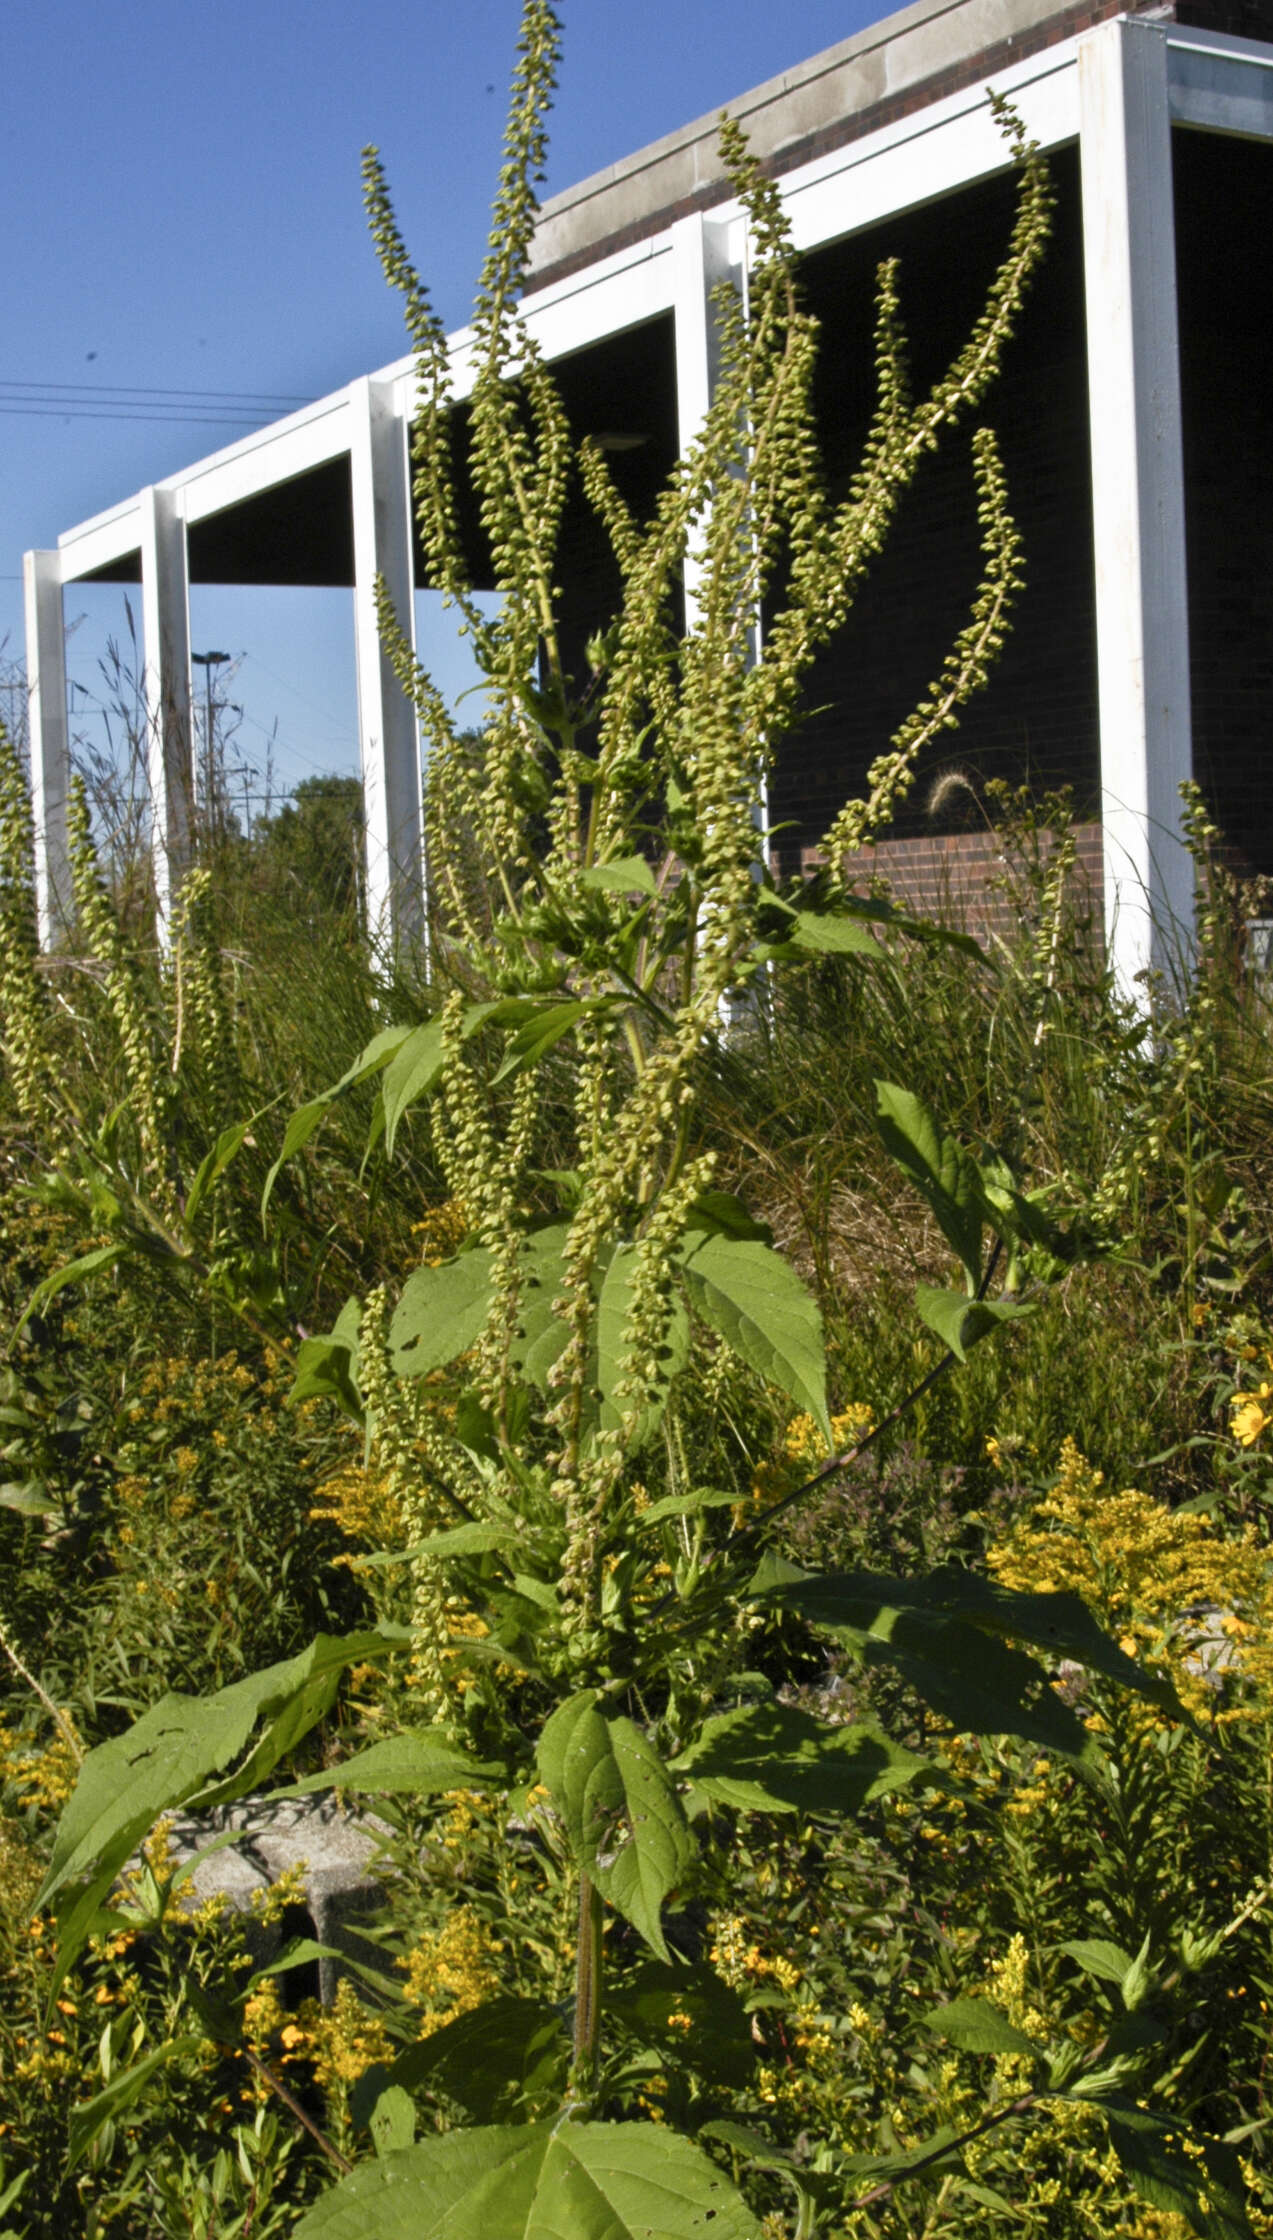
<point>314,844</point>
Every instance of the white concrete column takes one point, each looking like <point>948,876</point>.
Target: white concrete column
<point>1138,504</point>
<point>380,469</point>
<point>165,608</point>
<point>705,251</point>
<point>49,741</point>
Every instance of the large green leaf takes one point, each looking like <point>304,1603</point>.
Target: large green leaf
<point>305,1121</point>
<point>625,875</point>
<point>833,934</point>
<point>413,1073</point>
<point>548,1025</point>
<point>626,1823</point>
<point>774,1757</point>
<point>1204,2187</point>
<point>967,1676</point>
<point>540,2181</point>
<point>325,1366</point>
<point>92,1263</point>
<point>1061,1624</point>
<point>166,1759</point>
<point>542,1334</point>
<point>939,1167</point>
<point>213,1165</point>
<point>416,1064</point>
<point>412,1764</point>
<point>747,1292</point>
<point>441,1314</point>
<point>614,1358</point>
<point>88,2116</point>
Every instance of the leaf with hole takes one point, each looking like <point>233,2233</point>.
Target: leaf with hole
<point>441,1314</point>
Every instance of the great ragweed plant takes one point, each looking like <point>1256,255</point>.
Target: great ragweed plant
<point>598,905</point>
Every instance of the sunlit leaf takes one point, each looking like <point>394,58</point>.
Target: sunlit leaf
<point>543,2181</point>
<point>166,1760</point>
<point>748,1293</point>
<point>626,1823</point>
<point>412,1764</point>
<point>441,1314</point>
<point>979,2027</point>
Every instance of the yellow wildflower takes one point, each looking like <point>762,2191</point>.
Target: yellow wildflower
<point>1250,1414</point>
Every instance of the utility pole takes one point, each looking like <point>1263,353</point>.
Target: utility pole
<point>208,662</point>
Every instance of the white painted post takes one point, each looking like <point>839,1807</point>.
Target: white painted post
<point>165,607</point>
<point>49,740</point>
<point>380,469</point>
<point>701,258</point>
<point>704,252</point>
<point>1138,505</point>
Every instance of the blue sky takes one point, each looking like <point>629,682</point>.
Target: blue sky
<point>180,183</point>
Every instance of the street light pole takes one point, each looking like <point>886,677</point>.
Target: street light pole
<point>208,662</point>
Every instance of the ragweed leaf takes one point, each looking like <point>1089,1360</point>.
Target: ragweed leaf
<point>413,1073</point>
<point>960,1321</point>
<point>625,875</point>
<point>774,1757</point>
<point>499,2050</point>
<point>441,1313</point>
<point>1180,2172</point>
<point>166,1759</point>
<point>618,1800</point>
<point>747,1292</point>
<point>411,1764</point>
<point>570,2181</point>
<point>946,1178</point>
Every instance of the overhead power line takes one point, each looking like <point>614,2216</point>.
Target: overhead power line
<point>164,419</point>
<point>139,391</point>
<point>95,400</point>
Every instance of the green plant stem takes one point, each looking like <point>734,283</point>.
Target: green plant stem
<point>294,2108</point>
<point>587,2037</point>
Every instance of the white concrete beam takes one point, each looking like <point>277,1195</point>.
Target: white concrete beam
<point>1138,505</point>
<point>100,542</point>
<point>165,606</point>
<point>49,741</point>
<point>387,731</point>
<point>1220,84</point>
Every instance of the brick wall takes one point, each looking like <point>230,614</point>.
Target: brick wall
<point>968,881</point>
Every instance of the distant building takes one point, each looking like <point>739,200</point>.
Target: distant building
<point>1134,410</point>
